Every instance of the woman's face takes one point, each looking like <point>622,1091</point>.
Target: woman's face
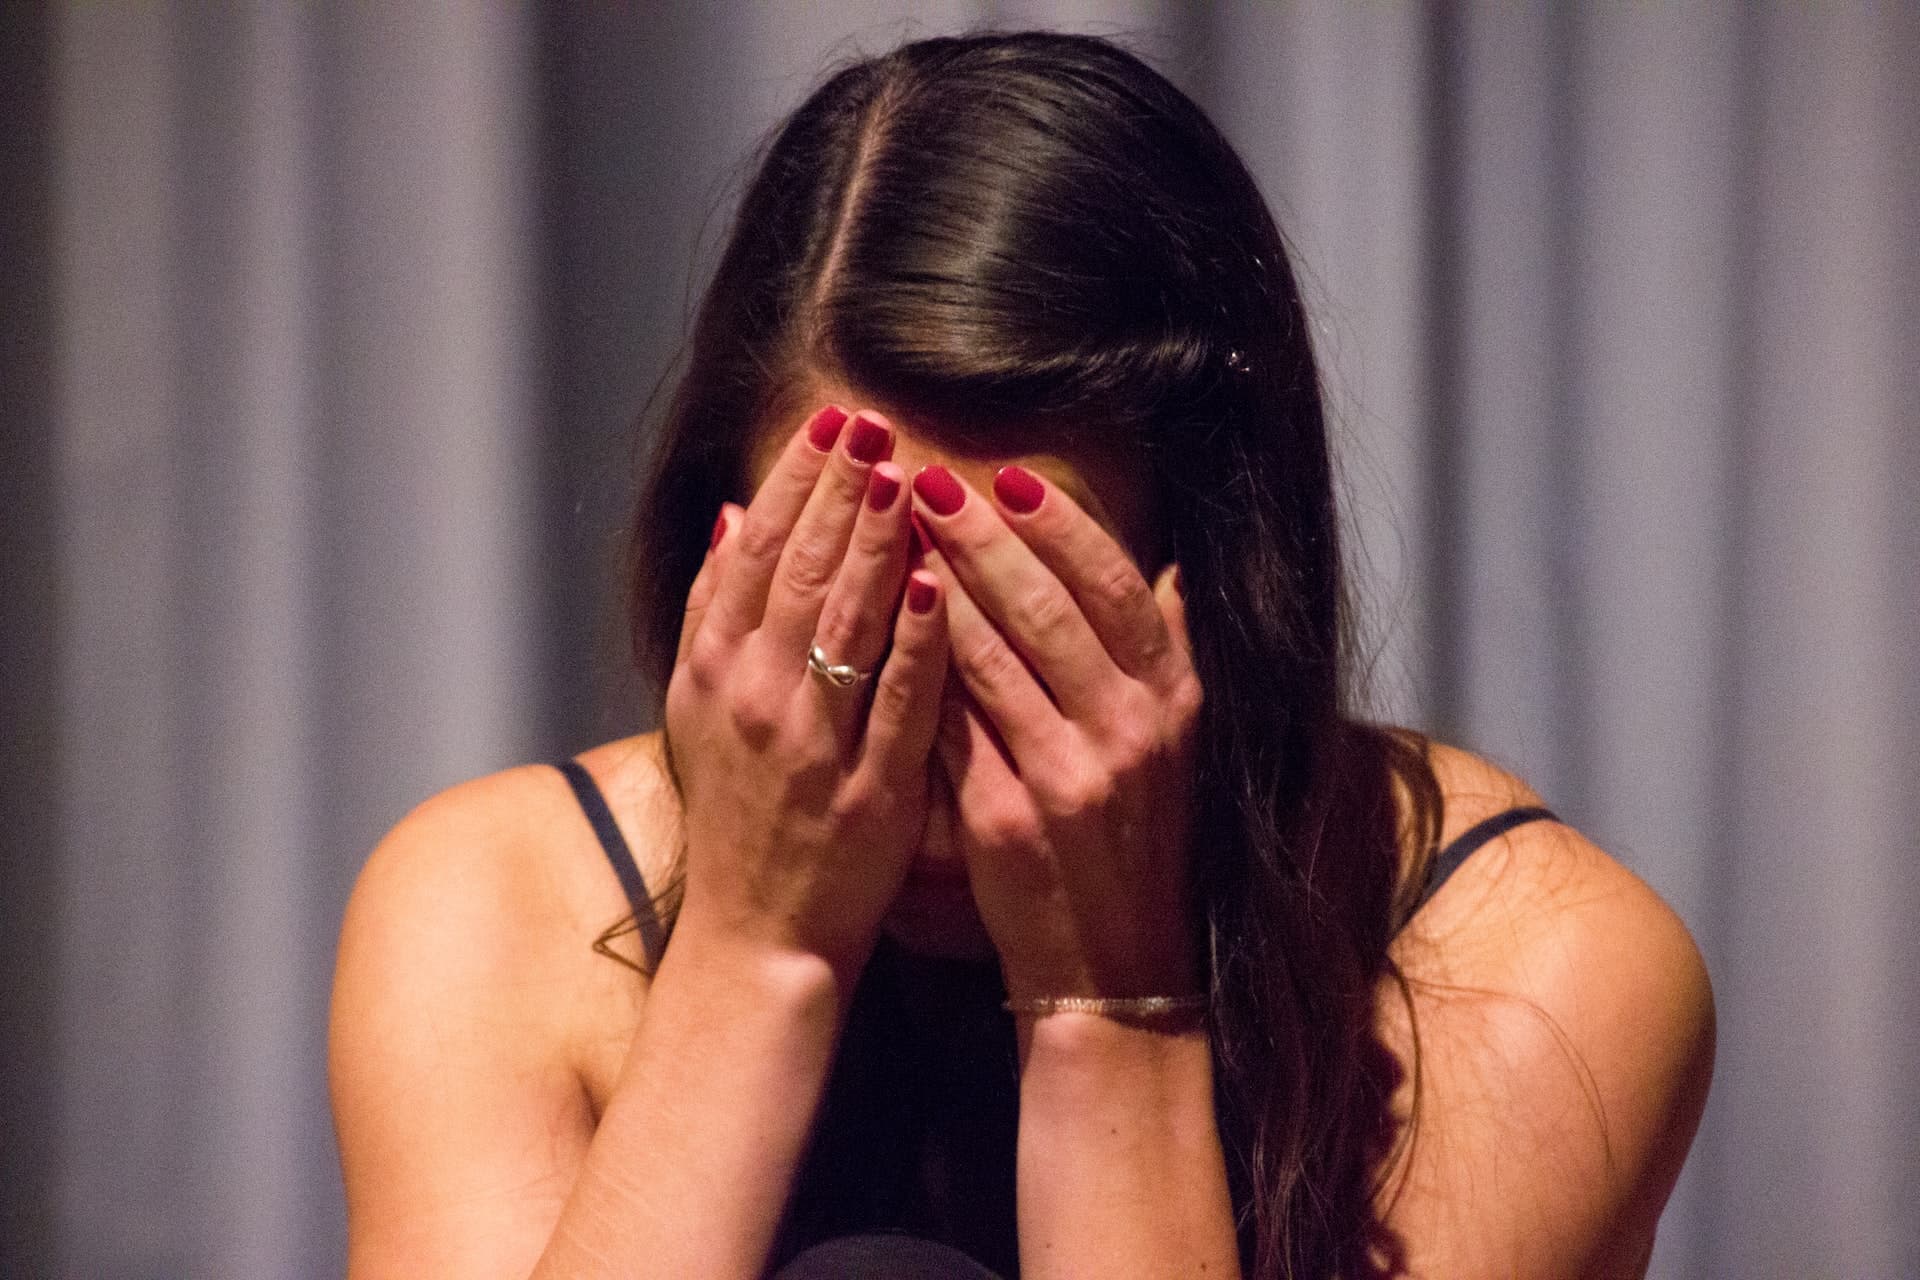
<point>935,914</point>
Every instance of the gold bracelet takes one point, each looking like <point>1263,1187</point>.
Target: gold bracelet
<point>1110,1006</point>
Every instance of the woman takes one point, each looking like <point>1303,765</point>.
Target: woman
<point>1020,686</point>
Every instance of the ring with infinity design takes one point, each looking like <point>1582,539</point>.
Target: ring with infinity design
<point>839,676</point>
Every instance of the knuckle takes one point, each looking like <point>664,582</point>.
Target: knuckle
<point>758,539</point>
<point>988,660</point>
<point>1186,698</point>
<point>875,535</point>
<point>1006,827</point>
<point>1046,609</point>
<point>1083,789</point>
<point>1118,586</point>
<point>808,567</point>
<point>1131,743</point>
<point>755,715</point>
<point>751,724</point>
<point>705,661</point>
<point>814,756</point>
<point>841,624</point>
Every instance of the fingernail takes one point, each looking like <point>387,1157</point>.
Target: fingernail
<point>824,429</point>
<point>1018,489</point>
<point>883,486</point>
<point>921,593</point>
<point>719,530</point>
<point>870,441</point>
<point>939,490</point>
<point>921,542</point>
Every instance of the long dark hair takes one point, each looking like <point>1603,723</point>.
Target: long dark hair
<point>1039,229</point>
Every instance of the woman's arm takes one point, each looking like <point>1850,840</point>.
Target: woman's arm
<point>1565,1024</point>
<point>466,1147</point>
<point>1566,1035</point>
<point>1120,1166</point>
<point>466,1140</point>
<point>691,1165</point>
<point>461,1129</point>
<point>1070,755</point>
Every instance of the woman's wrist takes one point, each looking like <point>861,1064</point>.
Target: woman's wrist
<point>1120,1161</point>
<point>722,1080</point>
<point>742,968</point>
<point>1096,1076</point>
<point>1089,1044</point>
<point>1164,979</point>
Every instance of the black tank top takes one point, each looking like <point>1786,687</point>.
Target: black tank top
<point>918,1121</point>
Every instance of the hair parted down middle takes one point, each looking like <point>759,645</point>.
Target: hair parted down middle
<point>1034,241</point>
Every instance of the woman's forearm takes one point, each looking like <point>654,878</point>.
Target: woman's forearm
<point>691,1166</point>
<point>1120,1169</point>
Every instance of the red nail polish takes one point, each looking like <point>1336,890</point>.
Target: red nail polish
<point>882,489</point>
<point>870,441</point>
<point>939,490</point>
<point>824,429</point>
<point>920,594</point>
<point>719,530</point>
<point>1018,489</point>
<point>921,542</point>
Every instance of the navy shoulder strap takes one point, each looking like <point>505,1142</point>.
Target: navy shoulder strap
<point>1448,860</point>
<point>645,920</point>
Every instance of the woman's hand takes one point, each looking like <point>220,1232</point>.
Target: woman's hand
<point>804,801</point>
<point>1070,744</point>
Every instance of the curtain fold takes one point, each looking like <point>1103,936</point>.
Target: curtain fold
<point>293,417</point>
<point>352,310</point>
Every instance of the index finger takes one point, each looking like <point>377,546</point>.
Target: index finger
<point>1096,570</point>
<point>1021,602</point>
<point>740,596</point>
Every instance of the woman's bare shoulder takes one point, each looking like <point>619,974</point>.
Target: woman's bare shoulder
<point>1538,881</point>
<point>509,860</point>
<point>468,1006</point>
<point>1543,913</point>
<point>1565,1029</point>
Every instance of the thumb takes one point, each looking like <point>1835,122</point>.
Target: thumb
<point>1173,606</point>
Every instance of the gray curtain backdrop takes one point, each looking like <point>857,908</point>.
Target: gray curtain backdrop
<point>325,333</point>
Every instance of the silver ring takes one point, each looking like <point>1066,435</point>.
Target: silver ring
<point>840,677</point>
